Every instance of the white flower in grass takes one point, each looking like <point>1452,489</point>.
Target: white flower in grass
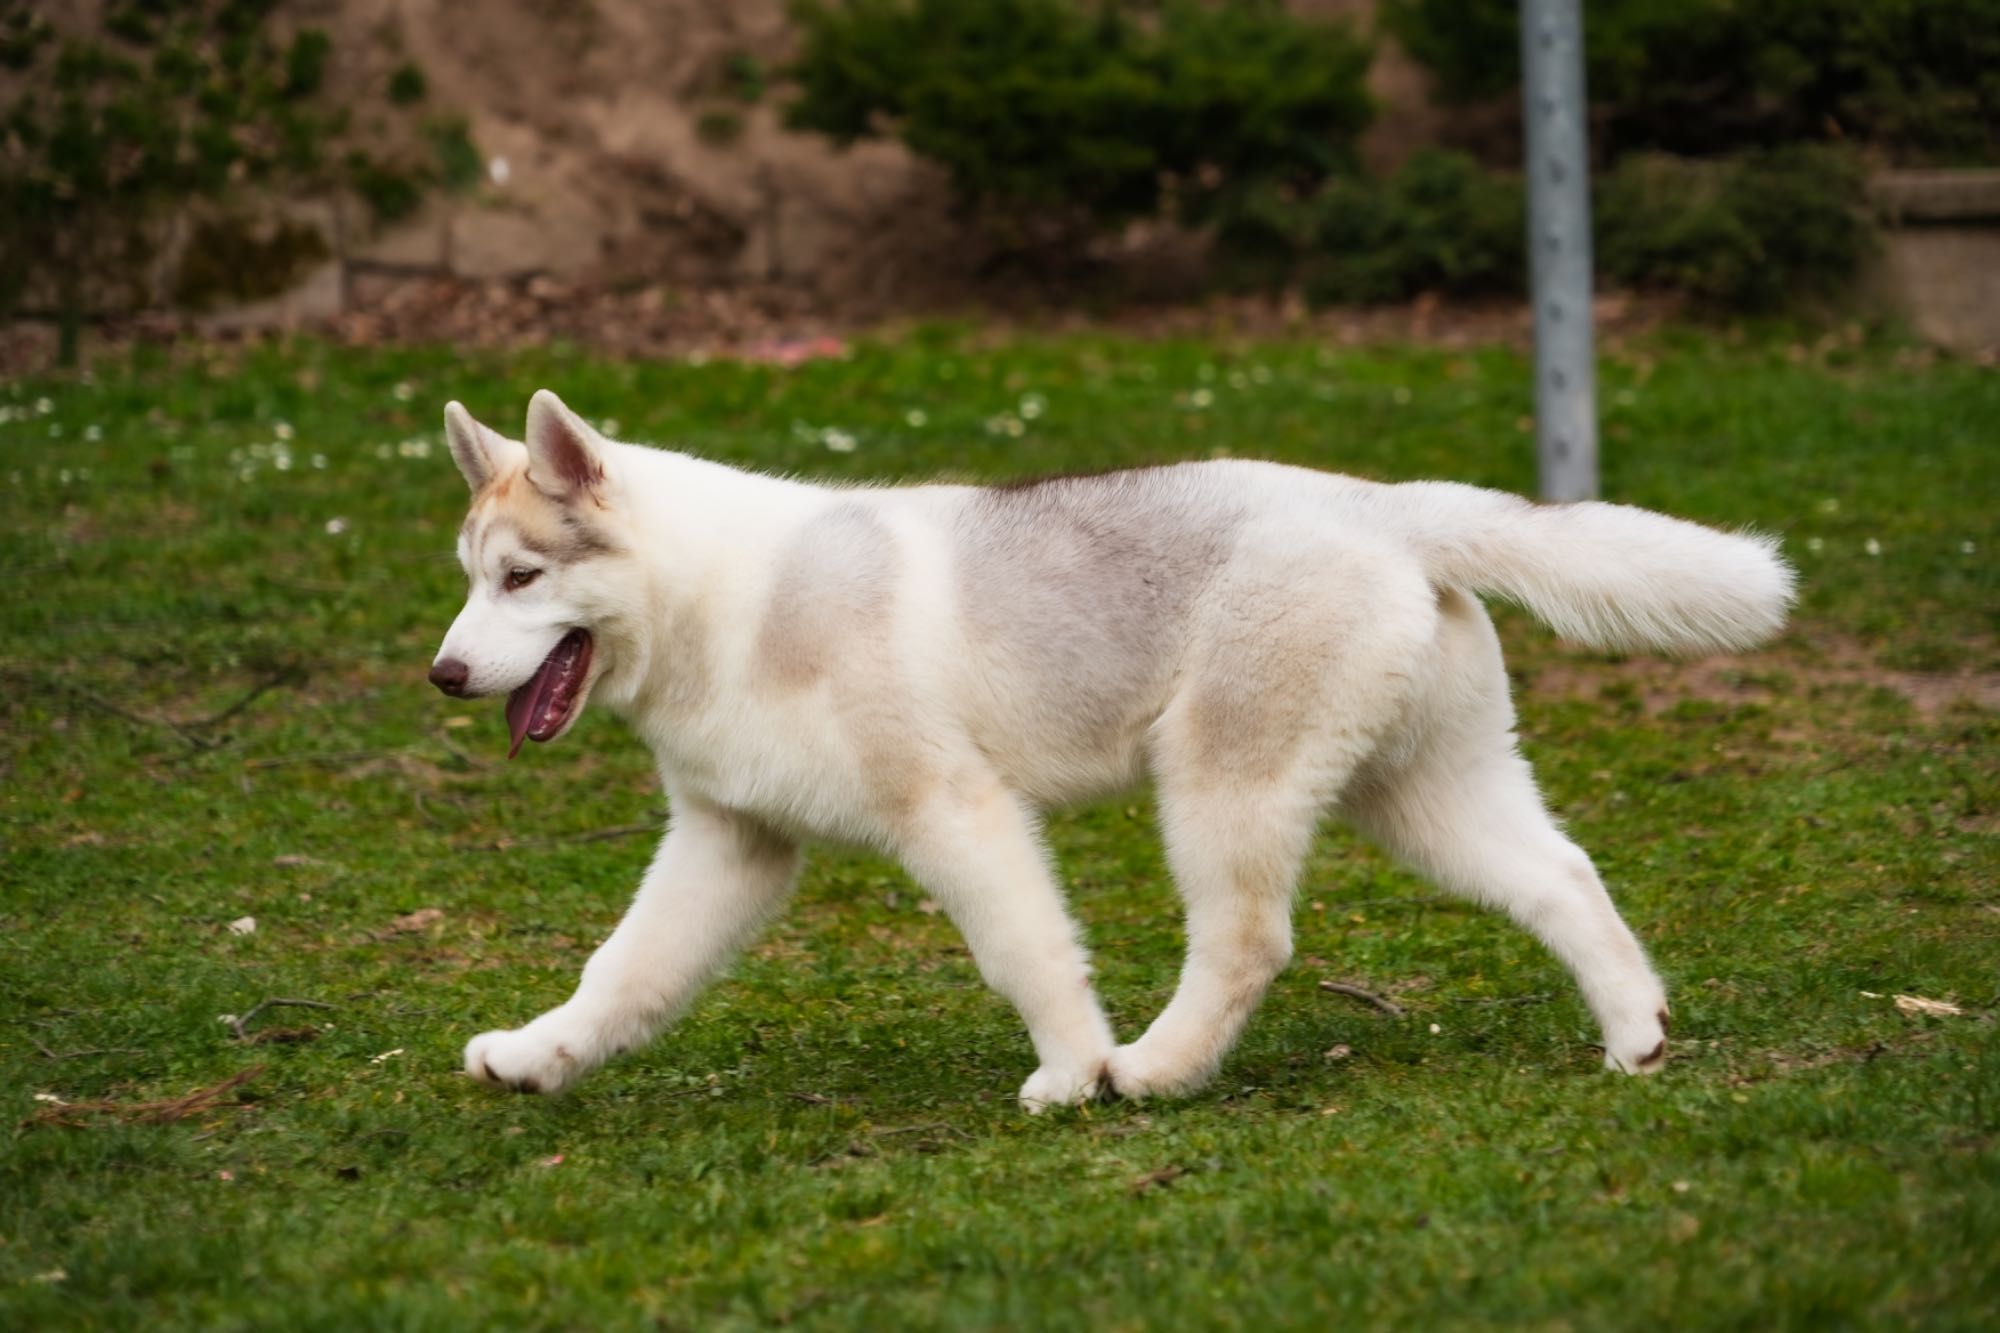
<point>917,418</point>
<point>282,429</point>
<point>1032,405</point>
<point>838,440</point>
<point>1815,544</point>
<point>609,427</point>
<point>1200,399</point>
<point>1966,548</point>
<point>319,462</point>
<point>93,433</point>
<point>1006,423</point>
<point>403,391</point>
<point>1830,505</point>
<point>44,406</point>
<point>335,526</point>
<point>1872,546</point>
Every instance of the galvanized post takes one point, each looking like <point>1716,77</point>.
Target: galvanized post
<point>1558,170</point>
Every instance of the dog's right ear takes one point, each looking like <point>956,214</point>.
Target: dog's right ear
<point>477,450</point>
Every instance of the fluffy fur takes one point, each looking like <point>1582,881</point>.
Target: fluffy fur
<point>925,669</point>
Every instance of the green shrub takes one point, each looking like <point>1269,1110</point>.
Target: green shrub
<point>1047,108</point>
<point>407,84</point>
<point>1440,224</point>
<point>1752,233</point>
<point>1756,233</point>
<point>1706,76</point>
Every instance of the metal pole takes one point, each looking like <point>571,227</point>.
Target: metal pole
<point>1558,145</point>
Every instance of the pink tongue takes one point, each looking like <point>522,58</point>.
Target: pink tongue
<point>539,707</point>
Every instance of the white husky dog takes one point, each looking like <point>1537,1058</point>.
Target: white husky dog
<point>924,669</point>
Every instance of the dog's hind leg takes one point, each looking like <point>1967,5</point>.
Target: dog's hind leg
<point>1278,712</point>
<point>1464,810</point>
<point>981,856</point>
<point>717,877</point>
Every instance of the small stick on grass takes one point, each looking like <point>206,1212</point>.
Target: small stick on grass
<point>240,1024</point>
<point>1387,1006</point>
<point>145,1113</point>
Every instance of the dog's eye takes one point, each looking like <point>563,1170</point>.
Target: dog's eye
<point>520,576</point>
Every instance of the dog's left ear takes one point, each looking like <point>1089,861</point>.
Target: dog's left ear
<point>564,461</point>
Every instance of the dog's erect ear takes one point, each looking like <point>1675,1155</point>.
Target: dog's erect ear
<point>563,451</point>
<point>479,451</point>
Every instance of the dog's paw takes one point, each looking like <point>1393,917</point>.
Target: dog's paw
<point>523,1059</point>
<point>1135,1072</point>
<point>1049,1086</point>
<point>1638,1048</point>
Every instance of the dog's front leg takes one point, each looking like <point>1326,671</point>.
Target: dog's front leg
<point>716,878</point>
<point>983,860</point>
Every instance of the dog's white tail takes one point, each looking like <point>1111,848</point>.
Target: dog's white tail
<point>1607,575</point>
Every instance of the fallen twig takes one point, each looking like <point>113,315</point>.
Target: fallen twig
<point>239,1024</point>
<point>285,675</point>
<point>78,1055</point>
<point>587,835</point>
<point>189,733</point>
<point>335,758</point>
<point>1387,1006</point>
<point>75,1114</point>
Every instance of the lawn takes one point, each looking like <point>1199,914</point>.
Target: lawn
<point>228,570</point>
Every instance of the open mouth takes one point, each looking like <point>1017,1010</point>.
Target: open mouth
<point>540,709</point>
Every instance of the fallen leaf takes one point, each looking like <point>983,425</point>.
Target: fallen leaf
<point>417,920</point>
<point>1917,1004</point>
<point>243,925</point>
<point>1340,1052</point>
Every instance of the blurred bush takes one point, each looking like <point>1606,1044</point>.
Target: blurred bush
<point>1757,232</point>
<point>1052,111</point>
<point>1746,234</point>
<point>1919,78</point>
<point>1441,224</point>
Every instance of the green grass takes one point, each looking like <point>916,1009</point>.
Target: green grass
<point>829,1139</point>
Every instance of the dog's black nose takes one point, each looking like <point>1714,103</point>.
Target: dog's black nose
<point>449,674</point>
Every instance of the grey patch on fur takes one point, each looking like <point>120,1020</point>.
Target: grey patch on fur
<point>831,596</point>
<point>1081,588</point>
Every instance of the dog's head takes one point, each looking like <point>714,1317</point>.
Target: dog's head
<point>542,525</point>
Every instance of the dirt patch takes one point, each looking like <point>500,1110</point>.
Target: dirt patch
<point>1761,677</point>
